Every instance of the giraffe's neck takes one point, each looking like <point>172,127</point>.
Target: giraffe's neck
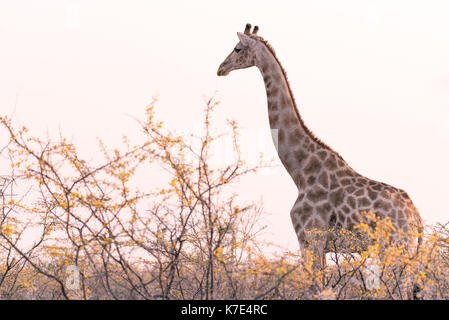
<point>298,149</point>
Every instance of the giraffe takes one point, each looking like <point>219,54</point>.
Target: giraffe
<point>330,192</point>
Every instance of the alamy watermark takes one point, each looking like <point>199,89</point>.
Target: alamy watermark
<point>72,281</point>
<point>256,146</point>
<point>372,280</point>
<point>72,16</point>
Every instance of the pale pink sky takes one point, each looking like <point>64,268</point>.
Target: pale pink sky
<point>371,78</point>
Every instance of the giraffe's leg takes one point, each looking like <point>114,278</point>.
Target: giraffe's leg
<point>323,265</point>
<point>406,286</point>
<point>323,262</point>
<point>308,262</point>
<point>314,249</point>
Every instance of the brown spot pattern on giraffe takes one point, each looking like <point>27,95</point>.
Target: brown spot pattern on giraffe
<point>323,179</point>
<point>322,155</point>
<point>316,195</point>
<point>330,164</point>
<point>337,197</point>
<point>363,203</point>
<point>312,166</point>
<point>294,137</point>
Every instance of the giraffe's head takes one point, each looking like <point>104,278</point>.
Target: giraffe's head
<point>244,53</point>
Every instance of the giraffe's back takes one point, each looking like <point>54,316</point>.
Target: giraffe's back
<point>384,200</point>
<point>348,195</point>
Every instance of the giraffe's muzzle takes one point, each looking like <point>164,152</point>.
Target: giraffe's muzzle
<point>222,71</point>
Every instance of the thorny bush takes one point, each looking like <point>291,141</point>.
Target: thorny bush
<point>188,239</point>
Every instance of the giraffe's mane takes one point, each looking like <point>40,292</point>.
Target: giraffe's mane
<point>308,131</point>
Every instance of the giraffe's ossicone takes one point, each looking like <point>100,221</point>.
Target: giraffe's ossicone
<point>330,193</point>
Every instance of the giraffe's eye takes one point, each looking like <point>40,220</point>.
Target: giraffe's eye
<point>237,50</point>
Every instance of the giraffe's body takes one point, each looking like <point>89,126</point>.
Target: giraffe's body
<point>331,193</point>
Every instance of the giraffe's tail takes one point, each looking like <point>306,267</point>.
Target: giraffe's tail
<point>420,229</point>
<point>417,289</point>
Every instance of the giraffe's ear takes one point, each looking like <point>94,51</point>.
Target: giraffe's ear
<point>245,40</point>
